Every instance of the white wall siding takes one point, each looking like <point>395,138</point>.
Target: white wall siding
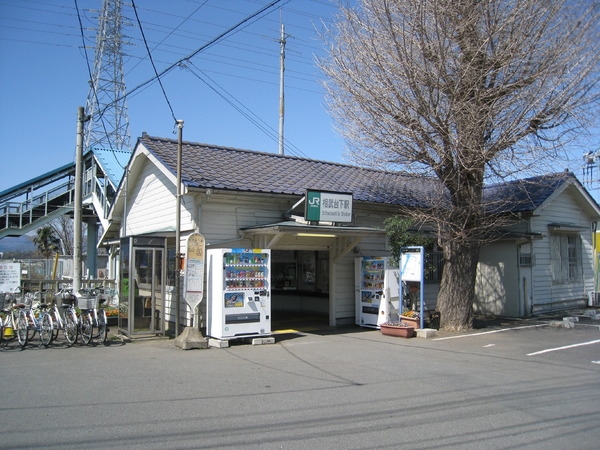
<point>151,204</point>
<point>547,294</point>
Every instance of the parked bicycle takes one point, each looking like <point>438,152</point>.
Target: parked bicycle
<point>9,315</point>
<point>34,319</point>
<point>93,323</point>
<point>65,320</point>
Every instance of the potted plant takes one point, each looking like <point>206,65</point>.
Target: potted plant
<point>412,318</point>
<point>400,329</point>
<point>112,314</point>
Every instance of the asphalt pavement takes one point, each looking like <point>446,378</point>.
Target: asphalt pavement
<point>513,384</point>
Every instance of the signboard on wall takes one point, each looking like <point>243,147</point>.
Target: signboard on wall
<point>324,206</point>
<point>194,270</point>
<point>10,276</point>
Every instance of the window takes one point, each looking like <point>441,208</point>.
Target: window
<point>566,257</point>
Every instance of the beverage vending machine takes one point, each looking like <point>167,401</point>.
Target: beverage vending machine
<point>238,293</point>
<point>377,291</point>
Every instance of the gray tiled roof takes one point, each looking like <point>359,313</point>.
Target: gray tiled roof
<point>226,168</point>
<point>208,166</point>
<point>525,194</point>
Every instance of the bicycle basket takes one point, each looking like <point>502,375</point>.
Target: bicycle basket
<point>87,301</point>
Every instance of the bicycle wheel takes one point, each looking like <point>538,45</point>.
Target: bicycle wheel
<point>56,325</point>
<point>22,328</point>
<point>31,327</point>
<point>46,330</point>
<point>102,328</point>
<point>70,330</point>
<point>87,329</point>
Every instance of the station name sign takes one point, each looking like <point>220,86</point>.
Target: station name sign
<point>322,206</point>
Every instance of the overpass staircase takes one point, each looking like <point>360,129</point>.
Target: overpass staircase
<point>38,201</point>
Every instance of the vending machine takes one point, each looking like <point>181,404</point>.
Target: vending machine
<point>238,293</point>
<point>377,291</point>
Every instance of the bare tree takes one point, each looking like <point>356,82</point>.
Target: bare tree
<point>63,228</point>
<point>465,92</point>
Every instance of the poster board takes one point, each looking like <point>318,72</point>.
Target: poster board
<point>10,276</point>
<point>194,270</point>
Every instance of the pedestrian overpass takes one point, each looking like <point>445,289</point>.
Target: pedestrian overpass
<point>38,201</point>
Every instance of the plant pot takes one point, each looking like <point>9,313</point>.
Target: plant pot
<point>412,321</point>
<point>399,331</point>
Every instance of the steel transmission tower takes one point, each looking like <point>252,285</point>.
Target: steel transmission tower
<point>109,124</point>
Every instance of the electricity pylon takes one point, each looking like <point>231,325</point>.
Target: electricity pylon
<point>108,127</point>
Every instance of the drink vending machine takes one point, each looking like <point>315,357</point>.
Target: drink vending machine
<point>238,293</point>
<point>377,291</point>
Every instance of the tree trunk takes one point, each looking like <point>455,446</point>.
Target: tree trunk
<point>457,289</point>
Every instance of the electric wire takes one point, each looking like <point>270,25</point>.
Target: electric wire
<point>152,60</point>
<point>87,60</point>
<point>243,110</point>
<point>171,32</point>
<point>232,30</point>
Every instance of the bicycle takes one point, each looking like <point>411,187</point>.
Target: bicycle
<point>92,317</point>
<point>10,323</point>
<point>34,320</point>
<point>66,320</point>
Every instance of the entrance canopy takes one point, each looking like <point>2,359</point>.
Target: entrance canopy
<point>299,236</point>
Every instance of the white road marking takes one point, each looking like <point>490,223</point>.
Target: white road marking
<point>489,345</point>
<point>489,332</point>
<point>597,341</point>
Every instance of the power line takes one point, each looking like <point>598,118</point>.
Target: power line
<point>152,60</point>
<point>232,30</point>
<point>243,110</point>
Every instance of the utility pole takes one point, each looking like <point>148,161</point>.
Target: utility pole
<point>178,227</point>
<point>281,88</point>
<point>81,119</point>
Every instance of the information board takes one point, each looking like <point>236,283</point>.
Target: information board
<point>411,265</point>
<point>10,276</point>
<point>194,270</point>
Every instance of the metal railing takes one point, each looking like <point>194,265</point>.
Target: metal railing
<point>19,214</point>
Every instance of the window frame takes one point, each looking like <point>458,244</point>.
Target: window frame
<point>566,257</point>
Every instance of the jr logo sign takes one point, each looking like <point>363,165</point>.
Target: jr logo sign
<point>328,207</point>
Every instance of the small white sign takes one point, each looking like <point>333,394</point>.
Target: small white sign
<point>10,276</point>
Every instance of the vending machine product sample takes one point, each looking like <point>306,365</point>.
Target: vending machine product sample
<point>239,293</point>
<point>377,291</point>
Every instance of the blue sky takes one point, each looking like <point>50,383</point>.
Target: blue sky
<point>44,78</point>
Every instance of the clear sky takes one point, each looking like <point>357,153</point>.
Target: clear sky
<point>227,94</point>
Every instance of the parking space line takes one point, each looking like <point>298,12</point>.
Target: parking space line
<point>489,332</point>
<point>597,341</point>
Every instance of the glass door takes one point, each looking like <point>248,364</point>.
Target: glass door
<point>147,309</point>
<point>142,285</point>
